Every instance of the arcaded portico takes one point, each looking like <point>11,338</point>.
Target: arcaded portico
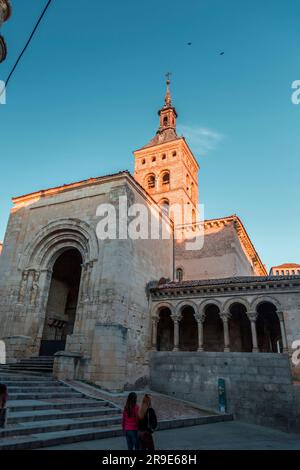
<point>232,315</point>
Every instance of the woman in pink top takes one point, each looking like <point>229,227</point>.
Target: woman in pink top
<point>130,422</point>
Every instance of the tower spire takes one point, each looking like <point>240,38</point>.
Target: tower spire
<point>168,100</point>
<point>167,113</point>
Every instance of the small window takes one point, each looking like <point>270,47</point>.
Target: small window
<point>154,159</point>
<point>164,156</point>
<point>166,178</point>
<point>174,154</point>
<point>165,205</point>
<point>179,274</point>
<point>151,181</point>
<point>165,121</point>
<point>143,161</point>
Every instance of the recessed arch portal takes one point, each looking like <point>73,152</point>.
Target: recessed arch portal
<point>62,301</point>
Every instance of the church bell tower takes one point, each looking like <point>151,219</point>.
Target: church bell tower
<point>166,167</point>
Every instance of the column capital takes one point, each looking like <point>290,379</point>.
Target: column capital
<point>155,318</point>
<point>199,317</point>
<point>225,316</point>
<point>252,315</point>
<point>176,317</point>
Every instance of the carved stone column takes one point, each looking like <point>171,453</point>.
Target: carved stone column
<point>200,318</point>
<point>225,316</point>
<point>23,287</point>
<point>283,332</point>
<point>253,317</point>
<point>34,288</point>
<point>155,320</point>
<point>176,319</point>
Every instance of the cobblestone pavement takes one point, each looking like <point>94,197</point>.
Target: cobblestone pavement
<point>231,435</point>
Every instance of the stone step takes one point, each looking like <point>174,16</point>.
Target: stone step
<point>49,414</point>
<point>26,377</point>
<point>39,359</point>
<point>58,425</point>
<point>34,364</point>
<point>24,374</point>
<point>37,389</point>
<point>31,383</point>
<point>23,370</point>
<point>33,405</point>
<point>45,395</point>
<point>28,367</point>
<point>56,438</point>
<point>50,439</point>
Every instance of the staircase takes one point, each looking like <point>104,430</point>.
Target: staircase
<point>44,412</point>
<point>33,364</point>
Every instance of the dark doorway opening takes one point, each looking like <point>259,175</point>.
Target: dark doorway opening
<point>165,331</point>
<point>62,302</point>
<point>240,329</point>
<point>268,328</point>
<point>213,329</point>
<point>188,330</point>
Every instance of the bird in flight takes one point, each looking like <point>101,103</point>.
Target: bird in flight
<point>222,53</point>
<point>189,43</point>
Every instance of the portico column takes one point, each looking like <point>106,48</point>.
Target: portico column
<point>253,317</point>
<point>225,316</point>
<point>200,317</point>
<point>176,319</point>
<point>283,332</point>
<point>155,320</point>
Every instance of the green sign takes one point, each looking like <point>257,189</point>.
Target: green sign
<point>222,396</point>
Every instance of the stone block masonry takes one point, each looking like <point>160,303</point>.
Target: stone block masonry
<point>259,387</point>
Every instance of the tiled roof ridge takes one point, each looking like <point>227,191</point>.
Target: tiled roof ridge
<point>227,280</point>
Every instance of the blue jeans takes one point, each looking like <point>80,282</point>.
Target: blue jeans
<point>132,440</point>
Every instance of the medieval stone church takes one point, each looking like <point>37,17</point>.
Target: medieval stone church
<point>120,311</point>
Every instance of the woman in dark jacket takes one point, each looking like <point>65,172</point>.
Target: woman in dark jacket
<point>3,401</point>
<point>147,424</point>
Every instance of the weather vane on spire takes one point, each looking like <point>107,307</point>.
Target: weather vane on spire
<point>168,94</point>
<point>168,76</point>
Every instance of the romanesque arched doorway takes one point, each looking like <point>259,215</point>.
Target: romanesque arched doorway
<point>268,328</point>
<point>165,330</point>
<point>239,329</point>
<point>213,329</point>
<point>62,302</point>
<point>188,330</point>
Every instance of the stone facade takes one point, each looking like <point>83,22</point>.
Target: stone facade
<point>44,225</point>
<point>231,299</point>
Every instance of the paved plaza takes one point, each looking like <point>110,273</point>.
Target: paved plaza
<point>231,435</point>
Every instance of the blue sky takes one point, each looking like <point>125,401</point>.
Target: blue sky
<point>88,89</point>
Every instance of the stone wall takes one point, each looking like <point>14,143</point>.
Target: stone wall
<point>259,386</point>
<point>221,256</point>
